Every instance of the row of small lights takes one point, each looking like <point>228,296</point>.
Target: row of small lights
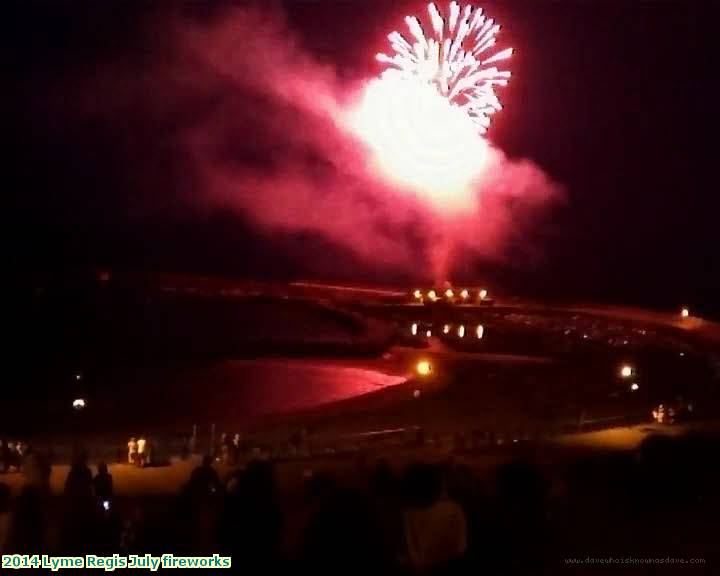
<point>424,368</point>
<point>449,294</point>
<point>626,371</point>
<point>479,330</point>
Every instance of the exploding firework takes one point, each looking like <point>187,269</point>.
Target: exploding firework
<point>458,59</point>
<point>424,117</point>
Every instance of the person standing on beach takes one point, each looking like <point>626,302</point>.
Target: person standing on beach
<point>141,454</point>
<point>132,450</point>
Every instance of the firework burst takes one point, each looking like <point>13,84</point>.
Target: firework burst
<point>456,55</point>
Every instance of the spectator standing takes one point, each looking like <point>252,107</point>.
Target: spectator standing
<point>251,523</point>
<point>141,454</point>
<point>132,451</point>
<point>204,480</point>
<point>21,448</point>
<point>148,459</point>
<point>224,448</point>
<point>79,506</point>
<point>434,526</point>
<point>235,449</point>
<point>103,483</point>
<point>108,526</point>
<point>201,508</point>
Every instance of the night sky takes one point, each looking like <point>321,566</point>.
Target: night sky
<point>614,100</point>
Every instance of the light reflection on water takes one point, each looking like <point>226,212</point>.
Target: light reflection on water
<point>257,387</point>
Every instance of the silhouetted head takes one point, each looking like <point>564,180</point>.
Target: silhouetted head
<point>102,468</point>
<point>422,485</point>
<point>320,487</point>
<point>382,479</point>
<point>79,458</point>
<point>207,460</point>
<point>521,486</point>
<point>258,479</point>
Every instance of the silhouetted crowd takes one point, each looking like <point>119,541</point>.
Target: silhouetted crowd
<point>366,516</point>
<point>371,520</point>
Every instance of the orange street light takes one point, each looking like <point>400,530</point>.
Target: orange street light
<point>424,368</point>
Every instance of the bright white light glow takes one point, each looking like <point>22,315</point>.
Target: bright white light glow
<point>424,368</point>
<point>421,142</point>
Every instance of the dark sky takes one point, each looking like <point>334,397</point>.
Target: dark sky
<point>615,100</point>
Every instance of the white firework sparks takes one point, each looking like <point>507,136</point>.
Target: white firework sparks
<point>457,57</point>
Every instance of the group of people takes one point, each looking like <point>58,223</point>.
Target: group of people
<point>139,451</point>
<point>12,454</point>
<point>380,519</point>
<point>80,483</point>
<point>229,449</point>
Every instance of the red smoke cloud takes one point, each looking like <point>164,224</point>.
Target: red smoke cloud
<point>266,137</point>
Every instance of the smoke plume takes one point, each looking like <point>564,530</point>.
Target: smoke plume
<point>256,121</point>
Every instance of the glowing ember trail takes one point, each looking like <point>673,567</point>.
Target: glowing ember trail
<point>423,118</point>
